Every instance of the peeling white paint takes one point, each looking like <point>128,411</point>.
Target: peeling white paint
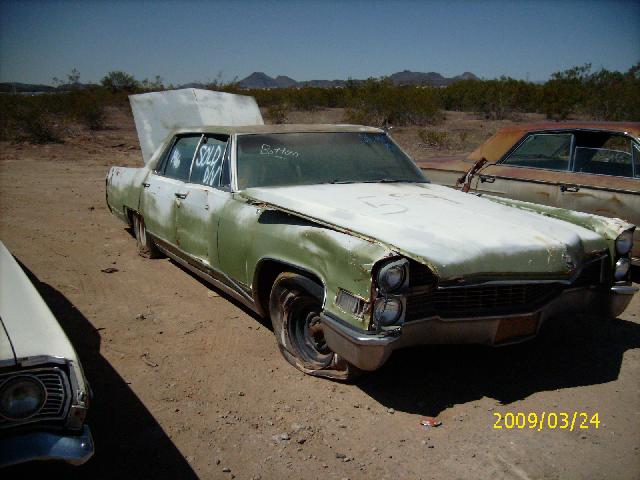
<point>455,232</point>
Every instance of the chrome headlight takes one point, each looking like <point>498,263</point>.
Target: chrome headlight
<point>621,269</point>
<point>21,397</point>
<point>624,242</point>
<point>387,311</point>
<point>392,276</point>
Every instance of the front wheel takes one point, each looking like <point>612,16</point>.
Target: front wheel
<point>295,305</point>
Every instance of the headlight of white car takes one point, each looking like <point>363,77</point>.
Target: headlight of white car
<point>387,311</point>
<point>392,276</point>
<point>624,242</point>
<point>621,269</point>
<point>21,397</point>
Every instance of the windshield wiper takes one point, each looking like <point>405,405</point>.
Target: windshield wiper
<point>337,182</point>
<point>390,180</point>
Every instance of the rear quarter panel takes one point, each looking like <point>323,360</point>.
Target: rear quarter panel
<point>123,189</point>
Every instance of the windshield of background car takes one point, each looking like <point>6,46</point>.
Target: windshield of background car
<point>314,158</point>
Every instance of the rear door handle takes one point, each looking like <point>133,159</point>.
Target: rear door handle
<point>181,196</point>
<point>146,185</point>
<point>487,178</point>
<point>569,188</point>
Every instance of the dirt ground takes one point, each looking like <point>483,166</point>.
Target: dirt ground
<point>188,384</point>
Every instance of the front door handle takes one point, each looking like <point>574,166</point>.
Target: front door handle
<point>146,185</point>
<point>487,178</point>
<point>181,195</point>
<point>569,188</point>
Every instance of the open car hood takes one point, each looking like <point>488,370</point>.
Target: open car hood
<point>454,233</point>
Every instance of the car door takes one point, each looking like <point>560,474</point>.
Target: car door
<point>606,179</point>
<point>163,186</point>
<point>202,200</point>
<point>535,170</point>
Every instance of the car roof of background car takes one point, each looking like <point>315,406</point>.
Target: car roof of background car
<point>505,138</point>
<point>157,114</point>
<point>275,129</point>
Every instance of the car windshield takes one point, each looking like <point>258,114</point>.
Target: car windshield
<point>315,158</point>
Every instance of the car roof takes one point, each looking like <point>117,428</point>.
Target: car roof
<point>274,129</point>
<point>505,138</point>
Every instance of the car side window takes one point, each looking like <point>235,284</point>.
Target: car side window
<point>207,167</point>
<point>543,150</point>
<point>608,156</point>
<point>181,156</point>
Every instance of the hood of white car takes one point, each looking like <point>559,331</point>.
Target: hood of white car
<point>454,233</point>
<point>28,328</point>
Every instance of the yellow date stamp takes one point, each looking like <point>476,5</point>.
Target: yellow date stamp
<point>546,420</point>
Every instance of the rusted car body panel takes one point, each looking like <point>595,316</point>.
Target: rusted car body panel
<point>611,196</point>
<point>456,248</point>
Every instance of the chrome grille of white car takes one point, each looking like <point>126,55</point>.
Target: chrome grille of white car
<point>58,395</point>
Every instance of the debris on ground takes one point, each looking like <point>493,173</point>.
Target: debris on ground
<point>430,422</point>
<point>148,361</point>
<point>109,270</point>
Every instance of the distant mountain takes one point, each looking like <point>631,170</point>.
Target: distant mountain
<point>258,80</point>
<point>465,76</point>
<point>406,77</point>
<point>283,81</point>
<point>15,87</point>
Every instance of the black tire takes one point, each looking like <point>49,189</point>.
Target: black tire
<point>294,306</point>
<point>146,247</point>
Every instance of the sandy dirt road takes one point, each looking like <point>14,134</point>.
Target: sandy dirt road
<point>188,384</point>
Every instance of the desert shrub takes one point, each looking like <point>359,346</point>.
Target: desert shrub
<point>463,135</point>
<point>28,118</point>
<point>119,81</point>
<point>439,140</point>
<point>89,108</point>
<point>278,113</point>
<point>379,102</point>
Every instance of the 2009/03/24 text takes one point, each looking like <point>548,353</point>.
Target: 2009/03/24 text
<point>546,420</point>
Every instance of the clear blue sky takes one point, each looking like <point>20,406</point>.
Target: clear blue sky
<point>193,41</point>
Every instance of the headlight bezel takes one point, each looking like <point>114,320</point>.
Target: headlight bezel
<point>384,303</point>
<point>382,277</point>
<point>35,382</point>
<point>624,242</point>
<point>622,265</point>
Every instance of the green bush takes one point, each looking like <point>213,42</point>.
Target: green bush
<point>435,139</point>
<point>89,108</point>
<point>379,103</point>
<point>278,113</point>
<point>28,119</point>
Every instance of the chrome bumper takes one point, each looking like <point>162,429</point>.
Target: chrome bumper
<point>73,449</point>
<point>369,351</point>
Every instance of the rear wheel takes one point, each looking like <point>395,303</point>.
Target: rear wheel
<point>295,305</point>
<point>146,247</point>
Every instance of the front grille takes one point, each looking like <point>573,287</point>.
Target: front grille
<point>479,300</point>
<point>420,275</point>
<point>58,395</point>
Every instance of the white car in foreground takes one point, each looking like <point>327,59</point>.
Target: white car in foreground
<point>44,395</point>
